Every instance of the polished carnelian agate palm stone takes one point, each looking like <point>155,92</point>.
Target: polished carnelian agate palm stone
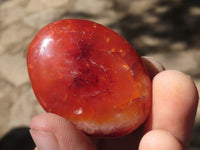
<point>89,75</point>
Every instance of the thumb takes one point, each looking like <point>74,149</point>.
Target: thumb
<point>52,132</point>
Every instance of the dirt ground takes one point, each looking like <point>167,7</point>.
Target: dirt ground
<point>168,30</point>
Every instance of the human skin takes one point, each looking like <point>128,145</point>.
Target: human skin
<point>169,125</point>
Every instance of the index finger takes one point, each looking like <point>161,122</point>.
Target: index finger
<point>174,104</point>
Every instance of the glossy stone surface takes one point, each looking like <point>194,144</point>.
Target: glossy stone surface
<point>90,75</point>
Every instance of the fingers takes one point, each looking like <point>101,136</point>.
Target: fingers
<point>159,139</point>
<point>52,132</point>
<point>174,104</point>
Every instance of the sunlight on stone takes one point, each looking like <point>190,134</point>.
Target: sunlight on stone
<point>178,46</point>
<point>161,9</point>
<point>195,11</point>
<point>151,41</point>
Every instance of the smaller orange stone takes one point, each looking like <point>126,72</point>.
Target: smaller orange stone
<point>89,75</point>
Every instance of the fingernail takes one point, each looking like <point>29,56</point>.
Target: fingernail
<point>152,65</point>
<point>44,140</point>
<point>154,62</point>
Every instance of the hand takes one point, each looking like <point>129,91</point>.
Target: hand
<point>168,127</point>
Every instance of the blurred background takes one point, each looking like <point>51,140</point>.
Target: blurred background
<point>168,30</point>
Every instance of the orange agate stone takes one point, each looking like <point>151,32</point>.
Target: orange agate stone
<point>89,75</point>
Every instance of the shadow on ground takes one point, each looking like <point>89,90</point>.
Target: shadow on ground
<point>195,142</point>
<point>166,26</point>
<point>17,139</point>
